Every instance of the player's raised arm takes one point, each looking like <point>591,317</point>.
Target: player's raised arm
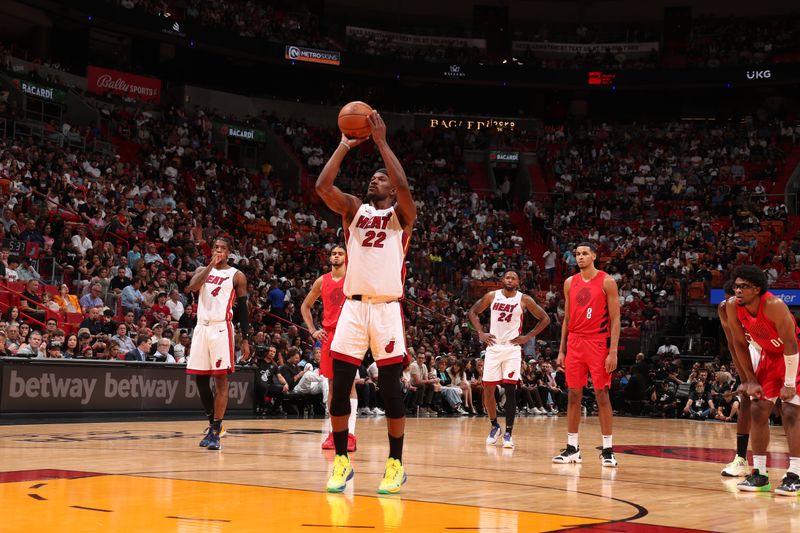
<point>339,202</point>
<point>476,309</point>
<point>406,208</point>
<point>305,310</point>
<point>202,273</point>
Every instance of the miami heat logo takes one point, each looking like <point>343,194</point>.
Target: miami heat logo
<point>583,297</point>
<point>389,348</point>
<point>511,374</point>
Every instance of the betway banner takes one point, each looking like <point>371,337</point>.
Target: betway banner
<point>39,90</point>
<point>104,80</point>
<point>790,297</point>
<point>410,39</point>
<point>33,386</point>
<point>545,48</point>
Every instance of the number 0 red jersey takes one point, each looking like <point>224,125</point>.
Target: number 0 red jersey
<point>588,306</point>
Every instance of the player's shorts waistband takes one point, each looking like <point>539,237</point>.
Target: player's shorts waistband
<point>372,299</point>
<point>207,322</point>
<point>589,336</point>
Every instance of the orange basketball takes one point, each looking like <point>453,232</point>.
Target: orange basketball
<point>353,120</point>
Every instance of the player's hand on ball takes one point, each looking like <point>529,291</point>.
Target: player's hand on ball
<point>352,143</point>
<point>486,338</point>
<point>378,127</point>
<point>320,335</point>
<point>787,393</point>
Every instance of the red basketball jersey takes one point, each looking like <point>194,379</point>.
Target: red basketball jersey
<point>762,330</point>
<point>332,300</point>
<point>588,307</point>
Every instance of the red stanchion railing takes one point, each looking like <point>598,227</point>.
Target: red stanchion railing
<point>27,299</point>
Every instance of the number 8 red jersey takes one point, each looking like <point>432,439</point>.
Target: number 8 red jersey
<point>588,306</point>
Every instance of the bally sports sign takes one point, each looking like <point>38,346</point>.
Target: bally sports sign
<point>104,80</point>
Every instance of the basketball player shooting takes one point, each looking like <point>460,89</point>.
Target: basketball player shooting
<point>377,235</point>
<point>589,340</point>
<point>212,341</point>
<point>764,318</point>
<point>504,342</point>
<point>329,286</point>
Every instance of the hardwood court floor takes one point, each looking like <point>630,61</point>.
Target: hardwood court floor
<point>270,476</point>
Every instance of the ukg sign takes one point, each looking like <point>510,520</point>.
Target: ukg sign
<point>104,80</point>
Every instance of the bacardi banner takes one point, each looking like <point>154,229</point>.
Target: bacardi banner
<point>411,39</point>
<point>472,122</point>
<point>39,90</point>
<point>104,80</point>
<point>244,133</point>
<point>37,386</point>
<point>545,48</point>
<point>500,157</point>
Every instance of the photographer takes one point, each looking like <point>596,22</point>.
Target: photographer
<point>728,407</point>
<point>270,384</point>
<point>662,400</point>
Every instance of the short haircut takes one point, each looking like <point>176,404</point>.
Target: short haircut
<point>752,274</point>
<point>335,246</point>
<point>589,245</point>
<point>227,240</point>
<point>142,338</point>
<point>511,271</point>
<point>381,171</point>
<point>292,351</point>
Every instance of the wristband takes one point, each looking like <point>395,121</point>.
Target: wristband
<point>790,373</point>
<point>345,145</point>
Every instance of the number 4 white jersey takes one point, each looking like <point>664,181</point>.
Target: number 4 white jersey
<point>217,296</point>
<point>506,319</point>
<point>376,251</point>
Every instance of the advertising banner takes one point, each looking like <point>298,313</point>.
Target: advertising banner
<point>410,39</point>
<point>244,133</point>
<point>312,55</point>
<point>96,386</point>
<point>39,90</point>
<point>472,122</point>
<point>104,80</point>
<point>545,48</point>
<point>500,157</point>
<point>790,297</point>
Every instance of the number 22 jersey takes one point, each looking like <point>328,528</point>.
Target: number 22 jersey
<point>376,251</point>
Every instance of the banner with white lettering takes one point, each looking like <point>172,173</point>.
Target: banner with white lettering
<point>790,297</point>
<point>472,122</point>
<point>243,133</point>
<point>104,80</point>
<point>410,39</point>
<point>39,90</point>
<point>312,55</point>
<point>544,48</point>
<point>33,386</point>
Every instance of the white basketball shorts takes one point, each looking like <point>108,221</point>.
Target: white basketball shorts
<point>212,349</point>
<point>502,364</point>
<point>378,326</point>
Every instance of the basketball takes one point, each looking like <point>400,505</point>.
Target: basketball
<point>353,121</point>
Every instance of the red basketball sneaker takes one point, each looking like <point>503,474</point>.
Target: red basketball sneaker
<point>351,442</point>
<point>328,444</point>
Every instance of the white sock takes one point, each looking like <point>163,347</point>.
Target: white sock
<point>794,465</point>
<point>572,439</point>
<point>327,428</point>
<point>351,422</point>
<point>606,441</point>
<point>760,463</point>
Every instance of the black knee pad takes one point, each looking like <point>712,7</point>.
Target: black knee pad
<point>343,376</point>
<point>392,390</point>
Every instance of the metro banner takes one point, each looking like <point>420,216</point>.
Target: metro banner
<point>103,80</point>
<point>791,297</point>
<point>312,55</point>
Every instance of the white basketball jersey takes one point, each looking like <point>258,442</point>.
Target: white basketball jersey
<point>506,319</point>
<point>217,296</point>
<point>376,251</point>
